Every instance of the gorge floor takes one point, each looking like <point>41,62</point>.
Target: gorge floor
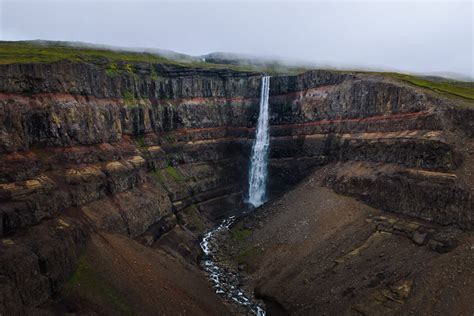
<point>313,251</point>
<point>119,276</point>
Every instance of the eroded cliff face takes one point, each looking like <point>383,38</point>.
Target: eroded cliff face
<point>159,153</point>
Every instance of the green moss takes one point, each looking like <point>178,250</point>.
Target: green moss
<point>156,175</point>
<point>194,218</point>
<point>154,75</point>
<point>163,177</point>
<point>146,103</point>
<point>56,120</point>
<point>444,86</point>
<point>47,52</point>
<point>112,70</point>
<point>131,102</point>
<point>175,174</point>
<point>197,221</point>
<point>169,138</point>
<point>140,142</point>
<point>247,255</point>
<point>240,234</point>
<point>128,68</point>
<point>34,52</point>
<point>128,97</point>
<point>88,281</point>
<point>452,87</point>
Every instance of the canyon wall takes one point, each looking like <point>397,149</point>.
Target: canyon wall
<point>160,152</point>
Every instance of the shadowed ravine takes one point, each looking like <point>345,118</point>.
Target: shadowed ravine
<point>225,282</point>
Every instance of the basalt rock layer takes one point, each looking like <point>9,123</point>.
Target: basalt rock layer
<point>160,152</point>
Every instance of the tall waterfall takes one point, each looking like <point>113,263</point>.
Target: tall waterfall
<point>259,161</point>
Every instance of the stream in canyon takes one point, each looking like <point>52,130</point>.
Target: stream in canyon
<point>225,282</point>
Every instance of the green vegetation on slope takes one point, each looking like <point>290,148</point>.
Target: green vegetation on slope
<point>87,281</point>
<point>458,88</point>
<point>118,62</point>
<point>175,174</point>
<point>140,142</point>
<point>240,233</point>
<point>48,52</point>
<point>31,52</point>
<point>192,218</point>
<point>248,258</point>
<point>158,177</point>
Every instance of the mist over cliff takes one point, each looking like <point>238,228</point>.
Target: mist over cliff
<point>417,37</point>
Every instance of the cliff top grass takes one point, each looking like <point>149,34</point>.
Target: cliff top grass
<point>48,52</point>
<point>36,52</point>
<point>444,86</point>
<point>458,88</point>
<point>22,52</point>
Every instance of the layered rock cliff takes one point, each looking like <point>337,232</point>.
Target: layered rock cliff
<point>159,153</point>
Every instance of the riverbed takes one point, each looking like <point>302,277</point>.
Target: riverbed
<point>224,281</point>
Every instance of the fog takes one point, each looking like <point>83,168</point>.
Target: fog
<point>433,37</point>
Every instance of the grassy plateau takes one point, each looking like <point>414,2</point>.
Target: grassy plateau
<point>48,52</point>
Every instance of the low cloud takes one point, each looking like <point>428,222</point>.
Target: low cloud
<point>421,36</point>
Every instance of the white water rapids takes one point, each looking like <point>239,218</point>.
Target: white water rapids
<point>225,282</point>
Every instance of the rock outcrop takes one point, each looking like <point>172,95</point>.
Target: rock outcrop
<point>159,152</point>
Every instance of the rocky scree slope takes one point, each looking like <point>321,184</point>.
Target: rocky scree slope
<point>159,153</point>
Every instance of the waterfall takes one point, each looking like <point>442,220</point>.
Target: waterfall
<point>259,161</point>
<point>225,282</point>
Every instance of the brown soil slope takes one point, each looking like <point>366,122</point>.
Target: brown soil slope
<point>313,251</point>
<point>118,276</point>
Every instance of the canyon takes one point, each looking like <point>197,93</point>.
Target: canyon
<point>111,174</point>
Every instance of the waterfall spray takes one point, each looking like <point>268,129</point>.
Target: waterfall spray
<point>259,161</point>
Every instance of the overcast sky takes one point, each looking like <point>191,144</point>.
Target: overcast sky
<point>415,36</point>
